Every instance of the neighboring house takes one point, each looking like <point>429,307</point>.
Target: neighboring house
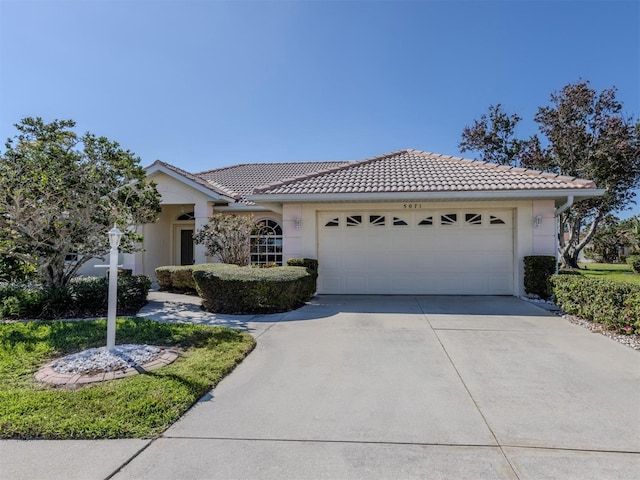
<point>408,222</point>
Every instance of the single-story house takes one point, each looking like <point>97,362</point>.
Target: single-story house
<point>407,222</point>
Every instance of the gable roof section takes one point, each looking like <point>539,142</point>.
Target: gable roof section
<point>197,183</point>
<point>409,172</point>
<point>241,180</point>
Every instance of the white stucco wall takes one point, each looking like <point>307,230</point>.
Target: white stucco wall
<point>544,241</point>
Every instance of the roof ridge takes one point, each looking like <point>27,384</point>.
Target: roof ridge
<point>306,162</point>
<point>318,173</point>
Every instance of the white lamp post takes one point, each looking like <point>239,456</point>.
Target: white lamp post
<point>114,240</point>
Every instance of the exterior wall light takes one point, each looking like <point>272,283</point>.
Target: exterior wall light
<point>297,223</point>
<point>537,221</point>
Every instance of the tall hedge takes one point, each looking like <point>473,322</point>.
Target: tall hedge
<point>599,300</point>
<point>242,290</point>
<point>634,262</point>
<point>537,271</point>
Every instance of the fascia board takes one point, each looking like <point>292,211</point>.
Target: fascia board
<point>154,169</point>
<point>579,194</point>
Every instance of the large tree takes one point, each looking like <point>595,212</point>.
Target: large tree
<point>583,134</point>
<point>61,192</point>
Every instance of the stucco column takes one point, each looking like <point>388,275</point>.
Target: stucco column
<point>201,211</point>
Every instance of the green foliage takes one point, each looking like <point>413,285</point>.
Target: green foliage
<point>584,135</point>
<point>537,271</point>
<point>634,262</point>
<point>163,276</point>
<point>141,406</point>
<point>608,241</point>
<point>228,237</point>
<point>17,269</point>
<point>308,263</point>
<point>611,303</point>
<point>242,290</point>
<point>494,137</point>
<point>61,194</point>
<point>83,297</point>
<point>177,278</point>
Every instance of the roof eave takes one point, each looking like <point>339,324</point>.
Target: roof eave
<point>577,193</point>
<point>159,167</point>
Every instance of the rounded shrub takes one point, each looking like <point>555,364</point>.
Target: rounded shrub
<point>242,290</point>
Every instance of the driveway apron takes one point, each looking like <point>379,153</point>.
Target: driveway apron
<point>413,387</point>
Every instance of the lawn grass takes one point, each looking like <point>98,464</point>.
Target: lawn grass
<point>618,272</point>
<point>140,406</point>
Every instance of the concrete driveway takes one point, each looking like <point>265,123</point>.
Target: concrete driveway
<point>409,387</point>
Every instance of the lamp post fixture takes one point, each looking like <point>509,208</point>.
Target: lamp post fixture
<point>114,240</point>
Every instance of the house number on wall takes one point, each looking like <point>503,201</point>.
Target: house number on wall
<point>412,205</point>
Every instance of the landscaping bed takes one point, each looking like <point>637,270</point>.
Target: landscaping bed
<point>139,406</point>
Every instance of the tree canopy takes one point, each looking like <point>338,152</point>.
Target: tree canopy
<point>61,192</point>
<point>582,134</point>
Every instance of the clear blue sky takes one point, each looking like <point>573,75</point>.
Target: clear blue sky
<point>205,84</point>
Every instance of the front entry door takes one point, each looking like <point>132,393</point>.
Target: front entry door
<point>186,246</point>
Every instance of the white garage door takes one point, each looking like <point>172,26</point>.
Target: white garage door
<point>416,252</point>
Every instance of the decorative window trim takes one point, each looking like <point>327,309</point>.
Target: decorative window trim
<point>377,220</point>
<point>266,244</point>
<point>493,220</point>
<point>426,222</point>
<point>335,222</point>
<point>473,218</point>
<point>448,219</point>
<point>354,220</point>
<point>186,216</point>
<point>399,222</point>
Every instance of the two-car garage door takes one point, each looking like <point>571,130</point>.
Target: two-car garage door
<point>416,252</point>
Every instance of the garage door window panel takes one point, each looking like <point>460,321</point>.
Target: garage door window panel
<point>448,219</point>
<point>377,220</point>
<point>354,220</point>
<point>473,218</point>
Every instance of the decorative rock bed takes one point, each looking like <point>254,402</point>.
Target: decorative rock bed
<point>99,364</point>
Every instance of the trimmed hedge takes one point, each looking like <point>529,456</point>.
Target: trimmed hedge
<point>179,278</point>
<point>599,300</point>
<point>176,278</point>
<point>537,271</point>
<point>634,262</point>
<point>308,263</point>
<point>243,290</point>
<point>83,297</point>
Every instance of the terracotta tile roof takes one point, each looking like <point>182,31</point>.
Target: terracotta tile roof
<point>417,171</point>
<point>242,179</point>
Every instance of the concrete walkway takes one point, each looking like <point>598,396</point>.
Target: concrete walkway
<point>387,387</point>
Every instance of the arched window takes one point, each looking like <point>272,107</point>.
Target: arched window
<point>186,216</point>
<point>266,244</point>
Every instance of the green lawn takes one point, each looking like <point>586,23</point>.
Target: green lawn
<point>618,272</point>
<point>133,407</point>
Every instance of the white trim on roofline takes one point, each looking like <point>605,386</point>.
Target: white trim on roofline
<point>241,207</point>
<point>157,168</point>
<point>578,194</point>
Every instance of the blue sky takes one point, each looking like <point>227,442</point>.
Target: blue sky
<point>205,84</point>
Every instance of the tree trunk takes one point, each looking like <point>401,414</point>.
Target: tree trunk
<point>570,251</point>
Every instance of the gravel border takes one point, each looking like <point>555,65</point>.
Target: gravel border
<point>632,341</point>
